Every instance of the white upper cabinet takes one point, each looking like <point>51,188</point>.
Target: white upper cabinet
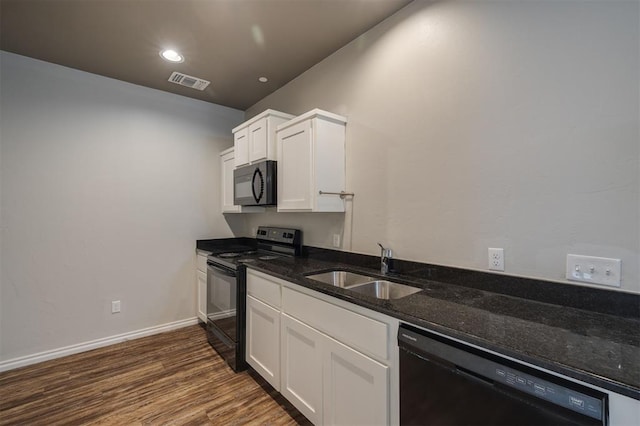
<point>255,139</point>
<point>258,149</point>
<point>311,158</point>
<point>227,164</point>
<point>241,145</point>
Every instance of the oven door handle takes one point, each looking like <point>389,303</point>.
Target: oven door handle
<point>217,269</point>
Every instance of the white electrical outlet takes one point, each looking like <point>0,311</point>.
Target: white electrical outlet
<point>115,306</point>
<point>336,240</point>
<point>496,259</point>
<point>595,270</point>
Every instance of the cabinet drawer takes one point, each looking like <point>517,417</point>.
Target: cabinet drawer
<point>264,287</point>
<point>202,263</point>
<point>361,332</point>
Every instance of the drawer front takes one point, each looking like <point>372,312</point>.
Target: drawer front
<point>264,287</point>
<point>355,330</point>
<point>202,263</point>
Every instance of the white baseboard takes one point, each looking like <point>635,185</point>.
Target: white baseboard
<point>93,344</point>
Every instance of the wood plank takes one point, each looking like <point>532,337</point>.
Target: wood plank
<point>173,377</point>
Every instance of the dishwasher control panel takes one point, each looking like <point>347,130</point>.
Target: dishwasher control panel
<point>552,392</point>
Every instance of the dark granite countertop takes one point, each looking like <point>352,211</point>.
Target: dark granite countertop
<point>602,349</point>
<point>588,334</point>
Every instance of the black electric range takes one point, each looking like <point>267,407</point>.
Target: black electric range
<point>226,288</point>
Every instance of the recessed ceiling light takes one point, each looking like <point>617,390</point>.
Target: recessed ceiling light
<point>263,79</point>
<point>171,55</point>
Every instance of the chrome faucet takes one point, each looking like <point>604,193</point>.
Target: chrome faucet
<point>385,259</point>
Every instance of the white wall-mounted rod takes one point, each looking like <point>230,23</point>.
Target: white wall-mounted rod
<point>342,194</point>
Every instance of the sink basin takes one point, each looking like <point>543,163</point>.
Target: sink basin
<point>341,278</point>
<point>384,289</point>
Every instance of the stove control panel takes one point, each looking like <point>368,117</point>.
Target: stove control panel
<point>280,235</point>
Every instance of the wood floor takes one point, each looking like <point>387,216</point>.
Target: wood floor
<point>171,378</point>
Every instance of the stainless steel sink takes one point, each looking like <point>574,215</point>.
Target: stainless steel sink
<point>364,284</point>
<point>384,289</point>
<point>343,279</point>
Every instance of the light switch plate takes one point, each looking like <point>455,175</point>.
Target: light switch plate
<point>594,270</point>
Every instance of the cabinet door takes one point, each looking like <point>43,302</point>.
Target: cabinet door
<point>202,295</point>
<point>258,138</point>
<point>227,164</point>
<point>355,387</point>
<point>301,367</point>
<point>295,167</point>
<point>241,145</point>
<point>263,340</point>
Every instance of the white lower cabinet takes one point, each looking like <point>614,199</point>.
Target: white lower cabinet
<point>201,287</point>
<point>263,340</point>
<point>318,360</point>
<point>301,367</point>
<point>202,296</point>
<point>356,388</point>
<point>328,382</point>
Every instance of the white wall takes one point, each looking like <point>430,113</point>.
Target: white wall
<point>105,186</point>
<point>486,124</point>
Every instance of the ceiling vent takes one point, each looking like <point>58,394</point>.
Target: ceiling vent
<point>189,81</point>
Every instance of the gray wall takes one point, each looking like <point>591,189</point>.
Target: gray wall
<point>105,186</point>
<point>485,124</point>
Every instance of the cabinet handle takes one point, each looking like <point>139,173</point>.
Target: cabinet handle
<point>342,194</point>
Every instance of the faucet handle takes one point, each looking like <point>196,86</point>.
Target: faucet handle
<point>386,252</point>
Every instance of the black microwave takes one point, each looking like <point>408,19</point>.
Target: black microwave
<point>255,185</point>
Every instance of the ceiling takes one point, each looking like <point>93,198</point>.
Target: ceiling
<point>230,43</point>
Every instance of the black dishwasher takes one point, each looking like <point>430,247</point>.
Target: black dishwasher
<point>445,382</point>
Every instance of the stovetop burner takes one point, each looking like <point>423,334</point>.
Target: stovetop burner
<point>268,257</point>
<point>272,243</point>
<point>228,255</point>
<point>234,254</point>
<point>246,257</point>
<point>232,259</point>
